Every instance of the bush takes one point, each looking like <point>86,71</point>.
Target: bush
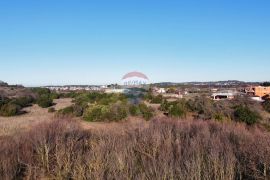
<point>266,105</point>
<point>148,96</point>
<point>157,99</point>
<point>96,113</point>
<point>146,112</point>
<point>45,97</point>
<point>51,110</point>
<point>9,109</point>
<point>101,113</point>
<point>244,114</point>
<point>134,110</point>
<point>266,84</point>
<point>118,111</point>
<point>3,101</point>
<point>54,96</point>
<point>12,107</point>
<point>219,117</point>
<point>78,110</point>
<point>99,98</point>
<point>96,103</point>
<point>23,101</point>
<point>44,101</point>
<point>207,109</point>
<point>41,91</point>
<point>69,95</point>
<point>178,109</point>
<point>203,106</point>
<point>66,111</point>
<point>74,110</point>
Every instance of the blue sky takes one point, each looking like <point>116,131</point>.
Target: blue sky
<point>98,41</point>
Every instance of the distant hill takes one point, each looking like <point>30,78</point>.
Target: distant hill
<point>209,83</point>
<point>2,83</point>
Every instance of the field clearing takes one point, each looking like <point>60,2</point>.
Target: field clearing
<point>34,116</point>
<point>130,123</point>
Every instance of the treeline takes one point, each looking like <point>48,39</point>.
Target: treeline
<point>165,149</point>
<point>240,109</point>
<point>96,107</point>
<point>45,97</point>
<point>14,106</point>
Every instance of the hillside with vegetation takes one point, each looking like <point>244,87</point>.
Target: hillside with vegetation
<point>145,136</point>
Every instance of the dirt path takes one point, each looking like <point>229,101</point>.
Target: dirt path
<point>34,116</point>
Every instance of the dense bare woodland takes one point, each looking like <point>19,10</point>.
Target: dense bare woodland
<point>166,149</point>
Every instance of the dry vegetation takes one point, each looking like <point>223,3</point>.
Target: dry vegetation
<point>165,149</point>
<point>15,92</point>
<point>33,116</point>
<point>44,144</point>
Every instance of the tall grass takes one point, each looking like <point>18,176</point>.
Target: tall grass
<point>165,149</point>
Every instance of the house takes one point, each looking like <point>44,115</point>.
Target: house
<point>173,95</point>
<point>258,91</point>
<point>214,90</point>
<point>224,95</point>
<point>161,91</point>
<point>256,98</point>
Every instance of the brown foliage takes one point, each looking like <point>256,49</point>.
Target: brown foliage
<point>165,150</point>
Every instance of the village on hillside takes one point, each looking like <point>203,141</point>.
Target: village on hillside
<point>216,91</point>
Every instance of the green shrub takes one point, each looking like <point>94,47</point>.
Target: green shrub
<point>9,109</point>
<point>69,95</point>
<point>146,112</point>
<point>94,103</point>
<point>157,99</point>
<point>117,112</point>
<point>45,97</point>
<point>44,101</point>
<point>66,111</point>
<point>96,113</point>
<point>244,114</point>
<point>134,110</point>
<point>100,113</point>
<point>99,98</point>
<point>23,101</point>
<point>219,117</point>
<point>148,97</point>
<point>175,109</point>
<point>54,96</point>
<point>74,110</point>
<point>178,109</point>
<point>12,107</point>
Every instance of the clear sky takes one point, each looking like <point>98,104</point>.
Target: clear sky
<point>44,42</point>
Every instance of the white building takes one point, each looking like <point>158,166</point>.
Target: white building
<point>224,95</point>
<point>161,91</point>
<point>118,91</point>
